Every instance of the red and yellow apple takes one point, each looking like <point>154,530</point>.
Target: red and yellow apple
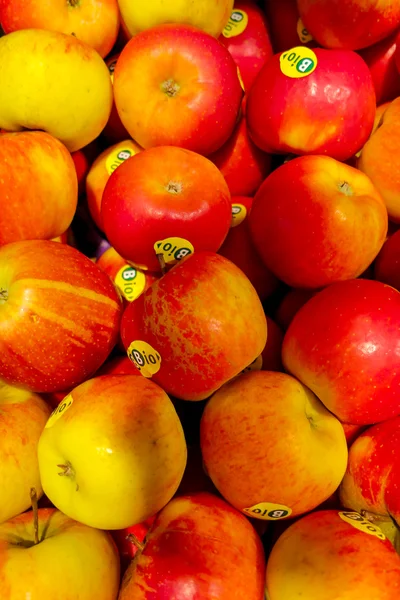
<point>381,61</point>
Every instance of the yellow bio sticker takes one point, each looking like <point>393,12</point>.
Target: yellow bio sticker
<point>268,511</point>
<point>59,411</point>
<point>117,157</point>
<point>111,68</point>
<point>144,357</point>
<point>298,62</point>
<point>359,522</point>
<point>239,213</point>
<point>173,249</point>
<point>130,282</point>
<point>237,23</point>
<point>302,32</point>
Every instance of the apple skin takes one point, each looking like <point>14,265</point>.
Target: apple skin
<point>181,316</point>
<point>381,62</point>
<point>96,24</point>
<point>343,345</point>
<point>294,477</point>
<point>23,416</point>
<point>160,193</point>
<point>309,221</point>
<point>38,185</point>
<point>241,162</point>
<point>126,548</point>
<point>176,85</point>
<point>198,547</point>
<point>70,96</point>
<point>287,30</point>
<point>84,559</point>
<point>386,265</point>
<point>124,446</point>
<point>59,316</point>
<point>251,46</point>
<point>323,557</point>
<point>299,116</point>
<point>349,24</point>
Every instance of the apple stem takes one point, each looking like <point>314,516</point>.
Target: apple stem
<point>35,510</point>
<point>3,295</point>
<point>162,263</point>
<point>373,517</point>
<point>131,537</point>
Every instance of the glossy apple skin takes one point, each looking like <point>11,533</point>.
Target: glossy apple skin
<point>61,318</point>
<point>198,547</point>
<point>184,307</point>
<point>343,344</point>
<point>285,27</point>
<point>374,451</point>
<point>241,162</point>
<point>307,115</point>
<point>381,61</point>
<point>85,559</point>
<point>387,263</point>
<point>349,24</point>
<point>94,23</point>
<point>202,113</point>
<point>38,185</point>
<point>161,193</point>
<point>322,557</point>
<point>309,221</point>
<point>251,47</point>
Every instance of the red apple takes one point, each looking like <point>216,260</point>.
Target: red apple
<point>243,165</point>
<point>349,24</point>
<point>387,264</point>
<point>161,202</point>
<point>286,27</point>
<point>308,101</point>
<point>119,365</point>
<point>176,85</point>
<point>343,344</point>
<point>247,38</point>
<point>315,220</point>
<point>381,61</point>
<point>59,315</point>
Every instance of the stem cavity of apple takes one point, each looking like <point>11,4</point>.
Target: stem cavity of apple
<point>68,471</point>
<point>35,511</point>
<point>170,88</point>
<point>73,3</point>
<point>174,187</point>
<point>345,188</point>
<point>3,295</point>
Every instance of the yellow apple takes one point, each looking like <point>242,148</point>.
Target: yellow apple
<point>209,15</point>
<point>23,416</point>
<point>113,453</point>
<point>53,82</point>
<point>69,560</point>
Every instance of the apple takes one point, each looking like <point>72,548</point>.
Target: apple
<point>55,83</point>
<point>95,23</point>
<point>343,345</point>
<point>352,432</point>
<point>114,131</point>
<point>315,221</point>
<point>207,15</point>
<point>66,560</point>
<point>113,453</point>
<point>23,416</point>
<point>104,165</point>
<point>292,109</point>
<point>243,165</point>
<point>198,547</point>
<point>59,315</point>
<point>386,265</point>
<point>160,202</point>
<point>118,365</point>
<point>332,554</point>
<point>176,85</point>
<point>38,187</point>
<point>247,38</point>
<point>286,27</point>
<point>349,24</point>
<point>380,59</point>
<point>129,540</point>
<point>196,327</point>
<point>270,446</point>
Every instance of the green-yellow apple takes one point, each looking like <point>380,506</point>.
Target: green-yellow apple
<point>38,187</point>
<point>270,446</point>
<point>66,561</point>
<point>54,82</point>
<point>23,416</point>
<point>113,452</point>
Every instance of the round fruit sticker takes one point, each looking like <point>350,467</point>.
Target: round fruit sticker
<point>236,25</point>
<point>298,62</point>
<point>239,213</point>
<point>304,35</point>
<point>117,157</point>
<point>173,249</point>
<point>130,282</point>
<point>144,357</point>
<point>359,522</point>
<point>59,411</point>
<point>268,511</point>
